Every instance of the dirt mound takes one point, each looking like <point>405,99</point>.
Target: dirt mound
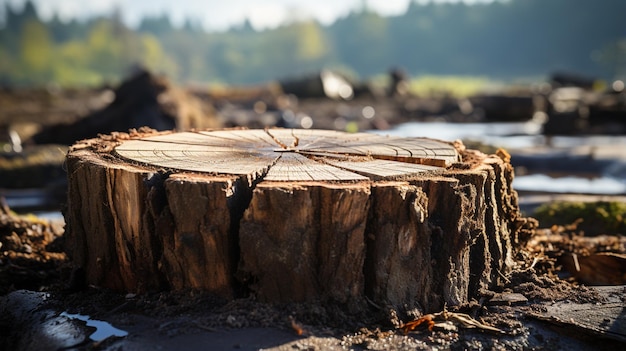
<point>142,100</point>
<point>31,252</point>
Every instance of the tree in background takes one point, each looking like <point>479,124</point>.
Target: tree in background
<point>501,39</point>
<point>364,35</point>
<point>35,52</point>
<point>613,57</point>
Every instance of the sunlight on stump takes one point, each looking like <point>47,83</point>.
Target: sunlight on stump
<point>292,215</point>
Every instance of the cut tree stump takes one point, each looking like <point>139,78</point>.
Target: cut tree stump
<point>293,215</point>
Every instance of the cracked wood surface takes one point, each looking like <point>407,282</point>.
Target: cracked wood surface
<point>292,154</point>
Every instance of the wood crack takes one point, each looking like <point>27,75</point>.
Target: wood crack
<point>331,216</point>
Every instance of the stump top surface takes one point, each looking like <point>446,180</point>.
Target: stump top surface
<point>292,154</point>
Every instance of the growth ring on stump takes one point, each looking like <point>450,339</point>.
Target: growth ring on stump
<point>292,215</point>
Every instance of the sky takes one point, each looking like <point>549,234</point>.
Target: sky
<point>219,14</point>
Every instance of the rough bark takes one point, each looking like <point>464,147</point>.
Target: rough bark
<point>305,241</point>
<point>303,216</point>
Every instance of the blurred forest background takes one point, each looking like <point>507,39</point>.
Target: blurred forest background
<point>501,40</point>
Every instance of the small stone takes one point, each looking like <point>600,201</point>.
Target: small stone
<point>508,298</point>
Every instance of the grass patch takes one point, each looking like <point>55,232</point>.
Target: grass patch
<point>603,217</point>
<point>455,86</point>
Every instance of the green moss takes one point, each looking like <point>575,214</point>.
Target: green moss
<point>603,217</point>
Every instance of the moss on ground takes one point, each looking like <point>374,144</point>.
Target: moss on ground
<point>602,217</point>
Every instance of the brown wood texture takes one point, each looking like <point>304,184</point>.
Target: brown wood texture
<point>293,215</point>
<point>291,154</point>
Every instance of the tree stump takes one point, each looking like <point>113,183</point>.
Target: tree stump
<point>292,215</point>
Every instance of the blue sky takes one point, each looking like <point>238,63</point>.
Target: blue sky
<point>219,14</point>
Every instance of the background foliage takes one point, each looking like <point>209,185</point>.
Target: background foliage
<point>499,40</point>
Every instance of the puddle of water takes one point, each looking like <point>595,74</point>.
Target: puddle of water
<point>576,185</point>
<point>508,135</point>
<point>24,198</point>
<point>512,135</point>
<point>103,329</point>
